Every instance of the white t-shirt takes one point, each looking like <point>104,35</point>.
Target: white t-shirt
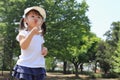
<point>32,57</point>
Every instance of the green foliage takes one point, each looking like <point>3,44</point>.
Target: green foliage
<point>95,75</point>
<point>113,35</point>
<point>50,63</point>
<point>116,59</point>
<point>9,17</point>
<point>100,75</point>
<point>68,30</point>
<point>67,24</point>
<point>104,57</point>
<point>113,39</point>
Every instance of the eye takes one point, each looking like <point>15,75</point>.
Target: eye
<point>33,16</point>
<point>39,17</point>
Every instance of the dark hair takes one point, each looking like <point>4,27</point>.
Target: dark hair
<point>21,26</point>
<point>43,28</point>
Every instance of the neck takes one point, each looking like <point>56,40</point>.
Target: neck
<point>29,28</point>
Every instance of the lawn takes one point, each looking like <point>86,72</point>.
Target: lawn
<point>56,76</point>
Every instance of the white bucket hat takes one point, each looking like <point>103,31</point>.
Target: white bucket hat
<point>39,9</point>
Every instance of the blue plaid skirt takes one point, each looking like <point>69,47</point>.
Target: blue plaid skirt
<point>26,73</point>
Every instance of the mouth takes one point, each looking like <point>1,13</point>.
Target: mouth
<point>35,21</point>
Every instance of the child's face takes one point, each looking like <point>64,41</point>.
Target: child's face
<point>33,19</point>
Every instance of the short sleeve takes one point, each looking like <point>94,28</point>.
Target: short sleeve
<point>22,33</point>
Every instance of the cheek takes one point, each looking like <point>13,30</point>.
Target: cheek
<point>28,21</point>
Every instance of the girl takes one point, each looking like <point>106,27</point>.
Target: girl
<point>31,62</point>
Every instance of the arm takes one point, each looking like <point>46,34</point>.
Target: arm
<point>44,51</point>
<point>25,41</point>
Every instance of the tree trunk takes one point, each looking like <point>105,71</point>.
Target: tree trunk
<point>76,70</point>
<point>2,65</point>
<point>95,67</point>
<point>11,68</point>
<point>81,67</point>
<point>53,68</point>
<point>65,67</point>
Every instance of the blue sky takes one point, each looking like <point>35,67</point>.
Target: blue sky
<point>101,14</point>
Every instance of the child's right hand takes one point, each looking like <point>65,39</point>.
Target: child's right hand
<point>35,31</point>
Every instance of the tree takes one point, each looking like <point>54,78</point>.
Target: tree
<point>68,28</point>
<point>113,35</point>
<point>81,53</point>
<point>104,57</point>
<point>91,53</point>
<point>116,59</point>
<point>9,17</point>
<point>113,39</point>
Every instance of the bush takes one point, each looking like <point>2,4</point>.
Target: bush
<point>96,75</point>
<point>100,75</point>
<point>111,75</point>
